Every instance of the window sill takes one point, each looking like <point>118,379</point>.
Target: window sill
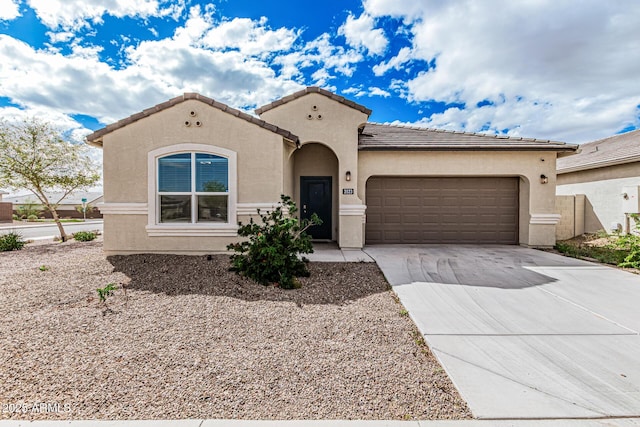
<point>192,230</point>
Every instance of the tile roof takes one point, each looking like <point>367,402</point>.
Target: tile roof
<point>614,150</point>
<point>376,136</point>
<point>96,137</point>
<point>313,89</point>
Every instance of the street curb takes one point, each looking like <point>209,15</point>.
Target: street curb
<point>45,224</point>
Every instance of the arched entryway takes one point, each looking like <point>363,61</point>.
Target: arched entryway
<point>315,174</point>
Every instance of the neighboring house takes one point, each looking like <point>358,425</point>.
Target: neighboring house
<point>179,176</point>
<point>6,213</point>
<point>66,208</point>
<point>607,173</point>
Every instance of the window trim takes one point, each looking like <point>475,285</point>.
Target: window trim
<point>156,228</point>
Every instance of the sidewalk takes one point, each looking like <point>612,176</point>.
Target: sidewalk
<point>610,422</point>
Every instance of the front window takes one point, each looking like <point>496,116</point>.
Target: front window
<point>193,188</point>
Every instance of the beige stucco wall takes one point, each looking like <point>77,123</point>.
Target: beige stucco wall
<point>260,171</point>
<point>317,119</point>
<point>603,190</point>
<point>267,167</point>
<point>537,201</point>
<point>571,209</point>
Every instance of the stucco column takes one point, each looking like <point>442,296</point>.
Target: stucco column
<point>542,212</point>
<point>352,220</point>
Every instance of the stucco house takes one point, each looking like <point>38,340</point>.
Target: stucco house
<point>604,178</point>
<point>5,209</point>
<point>67,208</point>
<point>179,176</point>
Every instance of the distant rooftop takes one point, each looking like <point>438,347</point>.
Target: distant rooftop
<point>74,198</point>
<point>614,150</point>
<point>375,136</point>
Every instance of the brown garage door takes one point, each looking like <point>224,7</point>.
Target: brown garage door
<point>442,210</point>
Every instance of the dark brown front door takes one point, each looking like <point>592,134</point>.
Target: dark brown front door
<point>315,197</point>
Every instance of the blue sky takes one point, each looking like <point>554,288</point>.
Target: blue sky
<point>564,71</point>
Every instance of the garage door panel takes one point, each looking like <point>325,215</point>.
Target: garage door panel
<point>442,210</point>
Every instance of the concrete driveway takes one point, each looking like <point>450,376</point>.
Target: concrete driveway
<point>524,333</point>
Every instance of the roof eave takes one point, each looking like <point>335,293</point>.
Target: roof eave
<point>467,148</point>
<point>93,142</point>
<point>96,138</point>
<point>598,165</point>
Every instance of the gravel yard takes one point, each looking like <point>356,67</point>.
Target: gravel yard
<point>193,340</point>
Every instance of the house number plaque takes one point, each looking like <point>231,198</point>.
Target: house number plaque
<point>347,191</point>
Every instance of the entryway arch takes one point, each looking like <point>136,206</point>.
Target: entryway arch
<point>315,174</point>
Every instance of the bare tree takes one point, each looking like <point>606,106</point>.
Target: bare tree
<point>35,157</point>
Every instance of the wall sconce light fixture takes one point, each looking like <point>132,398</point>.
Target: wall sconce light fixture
<point>544,179</point>
<point>347,176</point>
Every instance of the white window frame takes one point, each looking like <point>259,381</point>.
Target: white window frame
<point>156,228</point>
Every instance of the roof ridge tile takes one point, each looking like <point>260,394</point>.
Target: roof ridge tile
<point>96,135</point>
<point>406,136</point>
<point>313,89</point>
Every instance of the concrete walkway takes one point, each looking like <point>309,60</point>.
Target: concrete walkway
<point>330,252</point>
<point>619,422</point>
<point>524,333</point>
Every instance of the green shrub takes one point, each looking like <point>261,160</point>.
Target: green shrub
<point>32,218</point>
<point>271,253</point>
<point>105,292</point>
<point>28,209</point>
<point>567,249</point>
<point>11,242</point>
<point>630,243</point>
<point>84,236</point>
<point>609,254</point>
<point>15,217</point>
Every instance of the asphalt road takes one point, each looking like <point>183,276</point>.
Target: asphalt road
<point>49,231</point>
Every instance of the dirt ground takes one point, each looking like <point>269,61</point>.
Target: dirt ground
<point>189,339</point>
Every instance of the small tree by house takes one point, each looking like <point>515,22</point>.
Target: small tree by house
<point>35,157</point>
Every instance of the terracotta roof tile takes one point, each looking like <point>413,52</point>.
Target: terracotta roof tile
<point>376,136</point>
<point>614,150</point>
<point>96,136</point>
<point>313,89</point>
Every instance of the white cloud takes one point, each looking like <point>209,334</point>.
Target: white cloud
<point>566,72</point>
<point>153,71</point>
<point>321,77</point>
<point>75,14</point>
<point>351,90</point>
<point>60,37</point>
<point>359,92</point>
<point>319,52</point>
<point>9,10</point>
<point>249,37</point>
<point>409,10</point>
<point>360,33</point>
<point>376,91</point>
<point>404,55</point>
